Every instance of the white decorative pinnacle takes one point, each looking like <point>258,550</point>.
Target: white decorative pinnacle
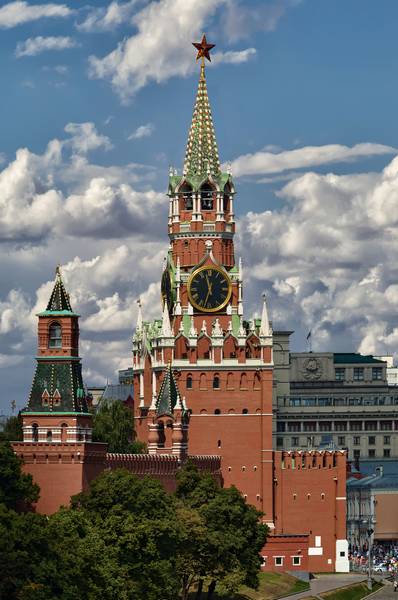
<point>242,332</point>
<point>190,309</point>
<point>252,326</point>
<point>204,327</point>
<point>139,316</point>
<point>192,330</point>
<point>240,274</point>
<point>166,326</point>
<point>229,328</point>
<point>217,331</point>
<point>209,245</point>
<point>265,329</point>
<point>178,271</point>
<point>229,309</point>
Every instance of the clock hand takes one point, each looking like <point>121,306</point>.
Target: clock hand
<point>207,297</point>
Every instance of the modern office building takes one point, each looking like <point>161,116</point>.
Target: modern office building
<point>325,399</point>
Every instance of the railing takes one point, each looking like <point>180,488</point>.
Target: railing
<point>322,401</point>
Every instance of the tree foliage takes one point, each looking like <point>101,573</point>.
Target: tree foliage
<point>113,424</point>
<point>17,489</point>
<point>127,538</point>
<point>12,429</point>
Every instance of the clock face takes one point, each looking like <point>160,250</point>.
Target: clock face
<point>166,289</point>
<point>209,289</point>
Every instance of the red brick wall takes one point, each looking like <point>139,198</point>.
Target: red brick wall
<point>310,490</point>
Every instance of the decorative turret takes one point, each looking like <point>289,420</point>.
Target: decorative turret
<point>169,418</point>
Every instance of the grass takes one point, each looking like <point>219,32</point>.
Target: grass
<point>351,592</point>
<point>271,586</point>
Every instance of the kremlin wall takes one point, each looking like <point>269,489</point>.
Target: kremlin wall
<point>203,382</point>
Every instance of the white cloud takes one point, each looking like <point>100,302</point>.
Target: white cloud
<point>19,12</point>
<point>309,156</point>
<point>107,18</point>
<point>242,20</point>
<point>37,45</point>
<point>142,131</point>
<point>85,137</point>
<point>234,57</point>
<point>153,54</point>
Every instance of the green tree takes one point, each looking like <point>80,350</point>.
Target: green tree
<point>228,540</point>
<point>12,430</point>
<point>17,489</point>
<point>113,424</point>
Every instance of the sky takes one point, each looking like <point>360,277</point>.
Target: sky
<point>95,105</point>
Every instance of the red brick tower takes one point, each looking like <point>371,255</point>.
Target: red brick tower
<point>57,448</point>
<point>222,362</point>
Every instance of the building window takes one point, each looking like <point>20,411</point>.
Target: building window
<point>387,440</point>
<point>386,452</point>
<point>55,336</point>
<point>189,382</point>
<point>371,440</point>
<point>356,425</point>
<point>310,426</point>
<point>377,373</point>
<point>358,374</point>
<point>263,561</point>
<point>206,197</point>
<point>35,432</point>
<point>294,426</point>
<point>325,426</point>
<point>340,425</point>
<point>386,425</point>
<point>217,411</point>
<point>49,436</point>
<point>279,441</point>
<point>296,561</point>
<point>280,426</point>
<point>245,411</point>
<point>357,453</point>
<point>216,382</point>
<point>357,440</point>
<point>339,374</point>
<point>370,425</point>
<point>295,441</point>
<point>372,453</point>
<point>341,440</point>
<point>279,561</point>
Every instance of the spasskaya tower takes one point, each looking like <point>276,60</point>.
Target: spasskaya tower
<point>221,362</point>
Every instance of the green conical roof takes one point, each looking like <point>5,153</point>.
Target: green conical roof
<point>168,394</point>
<point>201,157</point>
<point>59,299</point>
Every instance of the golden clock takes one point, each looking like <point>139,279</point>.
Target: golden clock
<point>209,289</point>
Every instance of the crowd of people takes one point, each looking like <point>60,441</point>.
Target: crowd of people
<point>384,558</point>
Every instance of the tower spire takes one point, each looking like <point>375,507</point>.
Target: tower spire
<point>201,156</point>
<point>265,329</point>
<point>59,299</point>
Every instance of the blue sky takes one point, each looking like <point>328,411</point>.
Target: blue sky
<point>303,95</point>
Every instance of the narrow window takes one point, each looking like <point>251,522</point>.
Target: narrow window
<point>189,382</point>
<point>206,197</point>
<point>35,432</point>
<point>217,411</point>
<point>49,436</point>
<point>216,382</point>
<point>245,411</point>
<point>55,336</point>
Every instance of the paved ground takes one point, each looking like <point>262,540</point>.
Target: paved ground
<point>386,593</point>
<point>324,583</point>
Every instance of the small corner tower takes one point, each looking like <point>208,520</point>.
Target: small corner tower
<point>57,408</point>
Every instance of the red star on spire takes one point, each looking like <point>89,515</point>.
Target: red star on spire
<point>203,48</point>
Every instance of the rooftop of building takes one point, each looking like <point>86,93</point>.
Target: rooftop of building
<point>354,358</point>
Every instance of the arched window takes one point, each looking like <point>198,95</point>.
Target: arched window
<point>189,382</point>
<point>245,411</point>
<point>217,411</point>
<point>187,196</point>
<point>206,196</point>
<point>64,432</point>
<point>216,382</point>
<point>55,336</point>
<point>162,436</point>
<point>230,381</point>
<point>49,436</point>
<point>203,381</point>
<point>35,432</point>
<point>243,381</point>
